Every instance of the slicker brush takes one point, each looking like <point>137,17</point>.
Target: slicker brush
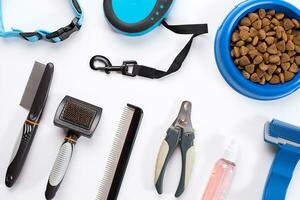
<point>79,119</point>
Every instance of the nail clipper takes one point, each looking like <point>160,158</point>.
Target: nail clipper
<point>181,133</point>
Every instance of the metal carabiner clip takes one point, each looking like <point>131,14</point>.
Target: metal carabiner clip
<point>107,66</point>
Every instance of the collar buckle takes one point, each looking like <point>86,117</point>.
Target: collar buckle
<point>65,32</point>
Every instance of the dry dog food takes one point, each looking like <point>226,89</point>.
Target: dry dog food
<point>266,47</point>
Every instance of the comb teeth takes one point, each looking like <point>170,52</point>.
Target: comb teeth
<point>115,153</point>
<point>32,85</point>
<point>78,114</point>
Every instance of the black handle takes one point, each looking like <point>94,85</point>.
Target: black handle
<point>20,152</point>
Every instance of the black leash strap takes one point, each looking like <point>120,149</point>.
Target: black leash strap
<point>132,68</point>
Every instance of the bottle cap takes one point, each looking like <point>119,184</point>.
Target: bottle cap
<point>231,152</point>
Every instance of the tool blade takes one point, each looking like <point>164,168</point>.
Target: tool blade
<point>32,85</point>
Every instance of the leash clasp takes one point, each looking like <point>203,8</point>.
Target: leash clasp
<point>127,68</point>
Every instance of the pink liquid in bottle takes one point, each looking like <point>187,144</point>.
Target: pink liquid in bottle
<point>222,175</point>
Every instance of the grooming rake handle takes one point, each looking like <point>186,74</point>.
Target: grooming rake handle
<point>61,165</point>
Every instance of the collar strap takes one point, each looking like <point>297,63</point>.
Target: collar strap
<point>56,36</point>
<point>286,137</point>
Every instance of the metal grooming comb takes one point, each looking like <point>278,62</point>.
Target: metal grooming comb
<point>120,153</point>
<point>34,99</point>
<point>80,119</point>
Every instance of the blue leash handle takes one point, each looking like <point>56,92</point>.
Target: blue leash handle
<point>56,36</point>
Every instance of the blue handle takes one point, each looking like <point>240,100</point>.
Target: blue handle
<point>281,172</point>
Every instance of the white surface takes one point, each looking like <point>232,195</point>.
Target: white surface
<point>218,111</point>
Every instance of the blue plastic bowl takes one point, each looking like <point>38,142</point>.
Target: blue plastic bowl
<point>225,63</point>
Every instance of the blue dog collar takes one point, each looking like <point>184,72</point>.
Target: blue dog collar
<point>56,36</point>
<point>287,138</point>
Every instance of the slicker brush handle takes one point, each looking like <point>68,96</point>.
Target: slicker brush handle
<point>60,166</point>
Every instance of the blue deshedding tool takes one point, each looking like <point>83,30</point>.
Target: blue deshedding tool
<point>55,36</point>
<point>287,138</point>
<point>138,17</point>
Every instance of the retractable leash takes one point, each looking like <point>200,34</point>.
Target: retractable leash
<point>56,36</point>
<point>138,17</point>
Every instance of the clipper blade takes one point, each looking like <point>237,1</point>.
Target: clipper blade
<point>120,153</point>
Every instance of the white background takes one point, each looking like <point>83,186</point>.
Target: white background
<point>218,111</point>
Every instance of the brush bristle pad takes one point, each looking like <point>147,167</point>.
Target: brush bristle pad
<point>78,114</point>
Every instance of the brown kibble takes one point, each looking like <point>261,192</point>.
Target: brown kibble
<point>272,69</point>
<point>262,34</point>
<point>235,37</point>
<point>271,12</point>
<point>255,41</point>
<point>253,32</point>
<point>254,77</point>
<point>292,53</point>
<point>244,35</point>
<point>297,49</point>
<point>285,66</point>
<point>257,24</point>
<point>271,33</point>
<point>262,47</point>
<point>297,60</point>
<point>270,40</point>
<point>244,61</point>
<point>262,13</point>
<point>294,68</point>
<point>245,28</point>
<point>290,46</point>
<point>281,76</point>
<point>236,52</point>
<point>279,16</point>
<point>268,77</point>
<point>246,74</point>
<point>253,17</point>
<point>253,53</point>
<point>250,68</point>
<point>265,22</point>
<point>285,58</point>
<point>274,59</point>
<point>244,51</point>
<point>240,43</point>
<point>275,22</point>
<point>284,36</point>
<point>246,22</point>
<point>262,81</point>
<point>296,23</point>
<point>279,32</point>
<point>260,73</point>
<point>236,61</point>
<point>257,60</point>
<point>288,24</point>
<point>278,70</point>
<point>272,49</point>
<point>263,67</point>
<point>296,39</point>
<point>281,46</point>
<point>275,79</point>
<point>266,47</point>
<point>288,76</point>
<point>266,57</point>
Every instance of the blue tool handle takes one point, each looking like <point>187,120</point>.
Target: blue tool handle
<point>281,172</point>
